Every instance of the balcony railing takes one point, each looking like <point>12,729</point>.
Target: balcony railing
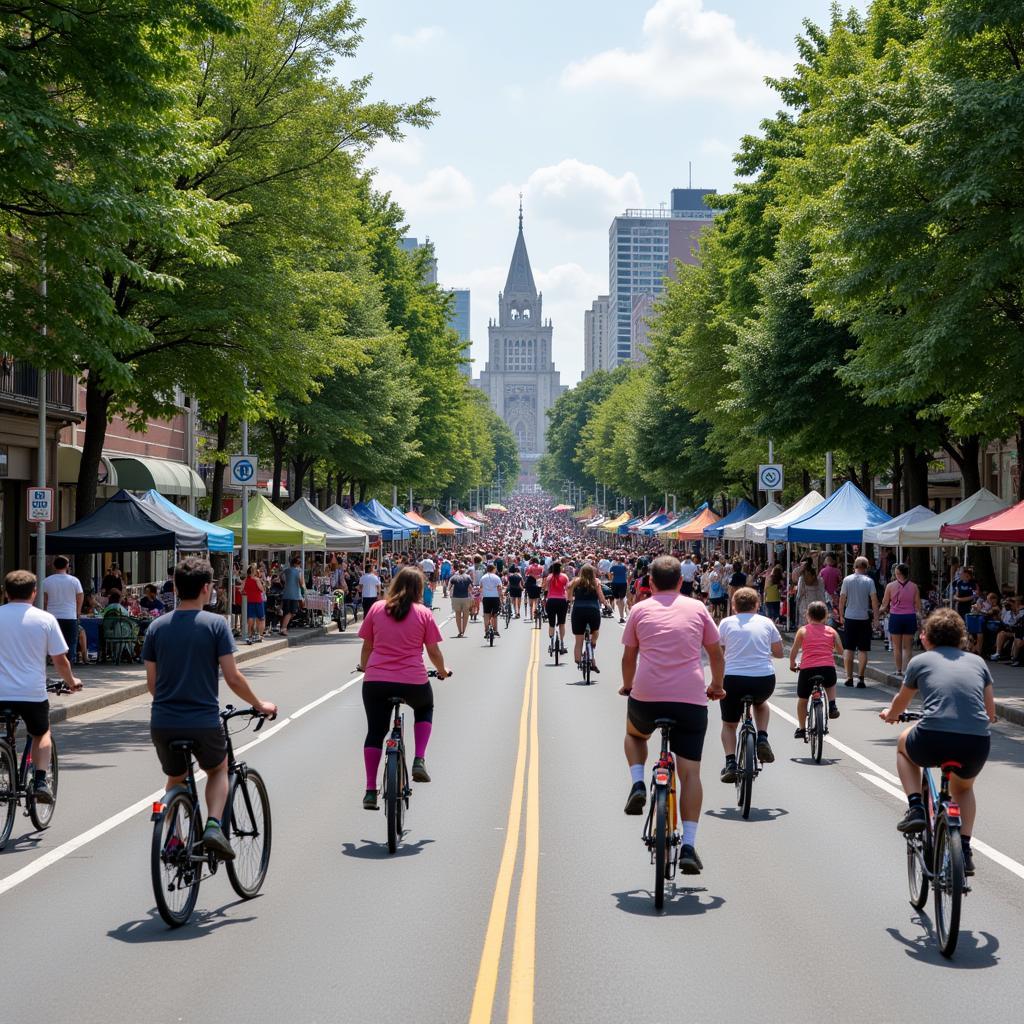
<point>20,381</point>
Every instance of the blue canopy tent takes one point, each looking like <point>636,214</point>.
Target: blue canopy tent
<point>744,510</point>
<point>376,514</point>
<point>218,538</point>
<point>652,527</point>
<point>840,519</point>
<point>415,528</point>
<point>623,530</point>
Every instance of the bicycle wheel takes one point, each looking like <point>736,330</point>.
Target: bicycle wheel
<point>490,636</point>
<point>176,876</point>
<point>948,883</point>
<point>585,665</point>
<point>393,799</point>
<point>746,762</point>
<point>42,814</point>
<point>343,617</point>
<point>8,792</point>
<point>817,731</point>
<point>917,877</point>
<point>660,845</point>
<point>248,829</point>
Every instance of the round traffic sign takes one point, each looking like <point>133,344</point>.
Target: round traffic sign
<point>770,478</point>
<point>243,471</point>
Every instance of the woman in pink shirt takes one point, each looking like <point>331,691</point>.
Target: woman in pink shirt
<point>820,644</point>
<point>902,600</point>
<point>556,585</point>
<point>395,632</point>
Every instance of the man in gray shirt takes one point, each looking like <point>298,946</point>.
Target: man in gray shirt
<point>858,610</point>
<point>293,590</point>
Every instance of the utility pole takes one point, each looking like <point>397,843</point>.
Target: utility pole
<point>245,531</point>
<point>41,453</point>
<point>828,474</point>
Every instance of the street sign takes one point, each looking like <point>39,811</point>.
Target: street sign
<point>769,477</point>
<point>39,501</point>
<point>243,470</point>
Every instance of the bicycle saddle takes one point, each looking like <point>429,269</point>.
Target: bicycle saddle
<point>182,744</point>
<point>945,764</point>
<point>664,723</point>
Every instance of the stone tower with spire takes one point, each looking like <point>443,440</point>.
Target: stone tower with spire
<point>519,377</point>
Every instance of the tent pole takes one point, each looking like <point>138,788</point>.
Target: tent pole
<point>789,584</point>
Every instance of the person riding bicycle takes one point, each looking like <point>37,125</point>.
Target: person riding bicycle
<point>556,585</point>
<point>958,709</point>
<point>532,575</point>
<point>395,633</point>
<point>750,641</point>
<point>491,592</point>
<point>184,651</point>
<point>818,643</point>
<point>587,599</point>
<point>27,636</point>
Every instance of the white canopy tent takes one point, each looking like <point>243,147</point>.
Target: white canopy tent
<point>925,532</point>
<point>737,531</point>
<point>758,532</point>
<point>888,533</point>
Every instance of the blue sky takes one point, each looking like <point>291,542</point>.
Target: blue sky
<point>586,108</point>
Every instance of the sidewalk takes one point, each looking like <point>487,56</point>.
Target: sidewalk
<point>103,685</point>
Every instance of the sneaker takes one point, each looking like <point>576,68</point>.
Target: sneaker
<point>765,754</point>
<point>968,861</point>
<point>370,800</point>
<point>419,770</point>
<point>913,821</point>
<point>800,734</point>
<point>41,792</point>
<point>214,839</point>
<point>563,650</point>
<point>833,709</point>
<point>994,657</point>
<point>1013,663</point>
<point>849,682</point>
<point>689,862</point>
<point>594,668</point>
<point>861,685</point>
<point>621,620</point>
<point>729,771</point>
<point>637,799</point>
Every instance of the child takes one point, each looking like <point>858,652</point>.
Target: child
<point>428,595</point>
<point>819,643</point>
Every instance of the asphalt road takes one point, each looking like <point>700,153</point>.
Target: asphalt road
<point>521,891</point>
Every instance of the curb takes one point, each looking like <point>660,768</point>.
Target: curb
<point>61,713</point>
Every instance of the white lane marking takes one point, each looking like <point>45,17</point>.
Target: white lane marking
<point>882,784</point>
<point>146,803</point>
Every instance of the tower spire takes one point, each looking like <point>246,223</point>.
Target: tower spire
<point>520,211</point>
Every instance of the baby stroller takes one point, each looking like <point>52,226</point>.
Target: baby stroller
<point>606,609</point>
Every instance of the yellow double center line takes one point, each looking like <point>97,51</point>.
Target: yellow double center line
<point>526,775</point>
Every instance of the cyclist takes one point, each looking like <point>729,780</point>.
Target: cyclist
<point>750,642</point>
<point>491,591</point>
<point>183,651</point>
<point>587,598</point>
<point>514,582</point>
<point>27,635</point>
<point>619,575</point>
<point>461,586</point>
<point>555,587</point>
<point>819,643</point>
<point>663,677</point>
<point>533,574</point>
<point>958,709</point>
<point>395,633</point>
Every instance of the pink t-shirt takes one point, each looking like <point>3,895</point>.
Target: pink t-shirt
<point>397,655</point>
<point>819,646</point>
<point>671,631</point>
<point>557,586</point>
<point>830,579</point>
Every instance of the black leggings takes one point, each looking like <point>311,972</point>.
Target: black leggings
<point>377,702</point>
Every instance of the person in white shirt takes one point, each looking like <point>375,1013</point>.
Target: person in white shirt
<point>27,635</point>
<point>750,642</point>
<point>369,588</point>
<point>491,591</point>
<point>688,570</point>
<point>427,565</point>
<point>603,566</point>
<point>62,598</point>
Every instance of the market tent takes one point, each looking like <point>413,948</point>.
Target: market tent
<point>744,510</point>
<point>643,522</point>
<point>758,532</point>
<point>840,519</point>
<point>926,533</point>
<point>627,527</point>
<point>611,525</point>
<point>124,524</point>
<point>444,527</point>
<point>586,513</point>
<point>675,520</point>
<point>269,527</point>
<point>694,529</point>
<point>652,525</point>
<point>347,518</point>
<point>374,512</point>
<point>563,508</point>
<point>420,521</point>
<point>338,537</point>
<point>1006,527</point>
<point>217,539</point>
<point>737,531</point>
<point>889,533</point>
<point>495,507</point>
<point>465,522</point>
<point>406,519</point>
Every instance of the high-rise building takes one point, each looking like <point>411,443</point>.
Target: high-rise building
<point>410,244</point>
<point>643,246</point>
<point>519,377</point>
<point>643,307</point>
<point>459,319</point>
<point>597,335</point>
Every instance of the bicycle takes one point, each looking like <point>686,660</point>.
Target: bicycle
<point>340,611</point>
<point>660,834</point>
<point>747,766</point>
<point>17,783</point>
<point>816,721</point>
<point>489,633</point>
<point>936,856</point>
<point>554,646</point>
<point>538,614</point>
<point>507,610</point>
<point>587,656</point>
<point>177,857</point>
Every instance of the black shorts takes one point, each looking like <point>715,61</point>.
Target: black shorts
<point>514,594</point>
<point>929,748</point>
<point>557,607</point>
<point>34,713</point>
<point>738,687</point>
<point>857,635</point>
<point>289,606</point>
<point>686,588</point>
<point>805,680</point>
<point>619,591</point>
<point>209,749</point>
<point>686,739</point>
<point>492,605</point>
<point>583,616</point>
<point>532,590</point>
<point>380,710</point>
<point>368,603</point>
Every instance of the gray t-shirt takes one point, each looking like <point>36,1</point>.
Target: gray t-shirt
<point>858,588</point>
<point>187,647</point>
<point>292,580</point>
<point>952,687</point>
<point>460,585</point>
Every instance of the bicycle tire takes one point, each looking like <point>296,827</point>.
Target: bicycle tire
<point>660,845</point>
<point>817,731</point>
<point>42,814</point>
<point>917,877</point>
<point>586,670</point>
<point>490,636</point>
<point>8,792</point>
<point>558,648</point>
<point>249,833</point>
<point>745,773</point>
<point>343,625</point>
<point>173,873</point>
<point>393,800</point>
<point>948,885</point>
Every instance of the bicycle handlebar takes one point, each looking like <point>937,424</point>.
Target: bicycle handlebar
<point>57,686</point>
<point>909,716</point>
<point>232,712</point>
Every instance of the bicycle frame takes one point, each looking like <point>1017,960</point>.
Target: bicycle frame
<point>746,728</point>
<point>663,776</point>
<point>394,746</point>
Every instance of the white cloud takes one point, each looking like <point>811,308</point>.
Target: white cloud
<point>689,53</point>
<point>442,189</point>
<point>421,39</point>
<point>576,195</point>
<point>717,148</point>
<point>407,152</point>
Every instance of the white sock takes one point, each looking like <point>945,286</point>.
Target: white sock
<point>689,833</point>
<point>636,772</point>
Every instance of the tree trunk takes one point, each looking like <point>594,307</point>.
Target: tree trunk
<point>865,478</point>
<point>897,480</point>
<point>351,492</point>
<point>362,491</point>
<point>97,416</point>
<point>915,470</point>
<point>340,490</point>
<point>275,493</point>
<point>312,485</point>
<point>217,486</point>
<point>805,479</point>
<point>851,475</point>
<point>967,455</point>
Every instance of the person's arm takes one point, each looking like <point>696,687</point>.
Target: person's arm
<point>716,656</point>
<point>63,667</point>
<point>151,678</point>
<point>842,607</point>
<point>990,702</point>
<point>798,642</point>
<point>777,651</point>
<point>899,704</point>
<point>629,660</point>
<point>240,685</point>
<point>837,644</point>
<point>874,605</point>
<point>886,600</point>
<point>79,599</point>
<point>364,655</point>
<point>437,660</point>
<point>46,598</point>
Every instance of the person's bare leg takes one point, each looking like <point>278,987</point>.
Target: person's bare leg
<point>577,651</point>
<point>635,746</point>
<point>862,663</point>
<point>217,790</point>
<point>801,711</point>
<point>962,791</point>
<point>762,713</point>
<point>729,736</point>
<point>41,748</point>
<point>909,773</point>
<point>691,793</point>
<point>848,663</point>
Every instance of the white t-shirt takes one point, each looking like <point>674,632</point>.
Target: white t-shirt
<point>490,585</point>
<point>689,569</point>
<point>61,590</point>
<point>747,639</point>
<point>370,584</point>
<point>603,566</point>
<point>427,566</point>
<point>27,636</point>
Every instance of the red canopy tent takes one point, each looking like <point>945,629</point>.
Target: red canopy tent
<point>1006,527</point>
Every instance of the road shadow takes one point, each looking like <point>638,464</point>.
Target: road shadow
<point>18,844</point>
<point>153,929</point>
<point>680,901</point>
<point>379,851</point>
<point>810,760</point>
<point>756,813</point>
<point>974,950</point>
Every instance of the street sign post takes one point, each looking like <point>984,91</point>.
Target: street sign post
<point>770,477</point>
<point>39,504</point>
